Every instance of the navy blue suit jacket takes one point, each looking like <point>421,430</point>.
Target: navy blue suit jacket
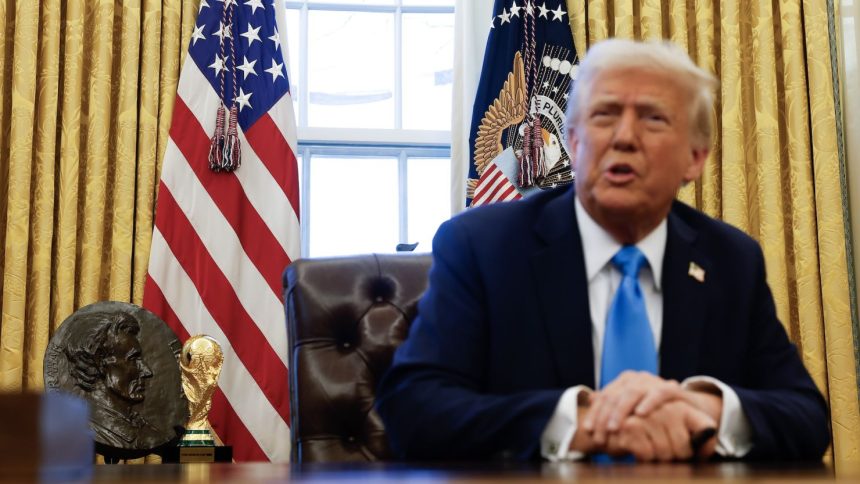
<point>504,328</point>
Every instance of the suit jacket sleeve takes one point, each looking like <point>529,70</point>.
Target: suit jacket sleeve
<point>787,413</point>
<point>434,399</point>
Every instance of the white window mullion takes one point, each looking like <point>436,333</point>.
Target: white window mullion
<point>403,181</point>
<point>304,201</point>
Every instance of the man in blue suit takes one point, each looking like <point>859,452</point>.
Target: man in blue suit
<point>607,317</point>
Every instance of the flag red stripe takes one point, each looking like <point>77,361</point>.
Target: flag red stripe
<point>224,419</point>
<point>489,177</point>
<point>264,250</point>
<point>221,301</point>
<point>504,195</point>
<point>270,146</point>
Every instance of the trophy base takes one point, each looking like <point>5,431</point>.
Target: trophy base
<point>196,454</point>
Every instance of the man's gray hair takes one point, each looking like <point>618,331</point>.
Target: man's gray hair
<point>662,56</point>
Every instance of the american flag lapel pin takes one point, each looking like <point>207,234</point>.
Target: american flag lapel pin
<point>696,272</point>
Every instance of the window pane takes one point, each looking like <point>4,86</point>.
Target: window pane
<point>428,66</point>
<point>429,189</point>
<point>351,69</point>
<point>293,61</point>
<point>353,205</point>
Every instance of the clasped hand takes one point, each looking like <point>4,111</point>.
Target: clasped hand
<point>649,417</point>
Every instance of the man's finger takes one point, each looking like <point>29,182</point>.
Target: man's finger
<point>658,396</point>
<point>660,440</point>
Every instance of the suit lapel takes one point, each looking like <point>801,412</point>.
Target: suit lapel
<point>684,301</point>
<point>558,272</point>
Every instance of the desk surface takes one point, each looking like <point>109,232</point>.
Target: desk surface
<point>465,473</point>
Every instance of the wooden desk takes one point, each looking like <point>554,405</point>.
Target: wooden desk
<point>473,474</point>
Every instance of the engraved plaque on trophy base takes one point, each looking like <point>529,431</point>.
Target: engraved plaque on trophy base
<point>197,454</point>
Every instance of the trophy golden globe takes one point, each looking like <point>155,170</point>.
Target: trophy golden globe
<point>200,361</point>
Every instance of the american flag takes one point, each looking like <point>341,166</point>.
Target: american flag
<point>222,239</point>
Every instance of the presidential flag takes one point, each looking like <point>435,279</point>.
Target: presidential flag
<point>227,219</point>
<point>517,141</point>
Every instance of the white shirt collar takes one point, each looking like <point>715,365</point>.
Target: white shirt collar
<point>598,246</point>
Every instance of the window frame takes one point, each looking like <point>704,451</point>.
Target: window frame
<point>362,142</point>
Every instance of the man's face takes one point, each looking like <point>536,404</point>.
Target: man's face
<point>632,145</point>
<point>125,370</point>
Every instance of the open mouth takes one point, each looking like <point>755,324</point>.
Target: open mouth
<point>621,169</point>
<point>620,173</point>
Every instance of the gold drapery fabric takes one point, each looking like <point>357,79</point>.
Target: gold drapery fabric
<point>87,90</point>
<point>775,169</point>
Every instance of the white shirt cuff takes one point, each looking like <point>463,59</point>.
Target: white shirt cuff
<point>559,431</point>
<point>734,438</point>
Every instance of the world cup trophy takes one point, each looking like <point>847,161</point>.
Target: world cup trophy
<point>200,361</point>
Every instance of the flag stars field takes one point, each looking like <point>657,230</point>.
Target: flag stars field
<point>528,8</point>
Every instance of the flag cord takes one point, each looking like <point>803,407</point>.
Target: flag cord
<point>531,163</point>
<point>224,150</point>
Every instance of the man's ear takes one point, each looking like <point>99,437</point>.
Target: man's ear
<point>697,164</point>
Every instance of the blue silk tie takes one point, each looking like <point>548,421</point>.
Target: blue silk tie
<point>628,343</point>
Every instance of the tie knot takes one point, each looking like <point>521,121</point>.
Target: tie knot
<point>629,260</point>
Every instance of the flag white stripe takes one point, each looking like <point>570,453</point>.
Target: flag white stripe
<point>264,193</point>
<point>222,243</point>
<point>284,117</point>
<point>239,387</point>
<point>513,196</point>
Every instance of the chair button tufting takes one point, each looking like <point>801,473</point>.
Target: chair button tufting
<point>379,299</point>
<point>350,439</point>
<point>345,345</point>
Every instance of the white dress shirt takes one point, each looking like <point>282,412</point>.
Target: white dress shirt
<point>734,438</point>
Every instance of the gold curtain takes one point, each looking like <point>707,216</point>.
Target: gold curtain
<point>776,170</point>
<point>87,91</point>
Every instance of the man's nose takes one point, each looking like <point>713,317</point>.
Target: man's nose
<point>624,138</point>
<point>145,372</point>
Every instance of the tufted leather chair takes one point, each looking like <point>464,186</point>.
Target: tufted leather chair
<point>345,317</point>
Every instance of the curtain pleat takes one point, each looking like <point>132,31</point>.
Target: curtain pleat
<point>829,202</point>
<point>774,170</point>
<point>21,160</point>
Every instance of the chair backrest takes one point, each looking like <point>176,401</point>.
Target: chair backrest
<point>345,317</point>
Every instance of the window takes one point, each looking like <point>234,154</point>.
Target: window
<point>371,81</point>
